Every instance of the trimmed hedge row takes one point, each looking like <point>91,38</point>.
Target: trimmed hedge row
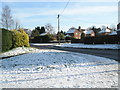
<point>114,39</point>
<point>6,40</point>
<point>76,40</point>
<point>13,39</point>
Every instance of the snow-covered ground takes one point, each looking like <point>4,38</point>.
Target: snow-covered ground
<point>40,44</point>
<point>58,69</point>
<point>19,50</point>
<point>95,46</point>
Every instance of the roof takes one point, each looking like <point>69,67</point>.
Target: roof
<point>67,35</point>
<point>113,33</point>
<point>105,30</point>
<point>88,31</point>
<point>71,30</point>
<point>118,30</point>
<point>43,34</point>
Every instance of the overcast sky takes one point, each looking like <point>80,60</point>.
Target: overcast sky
<point>85,13</point>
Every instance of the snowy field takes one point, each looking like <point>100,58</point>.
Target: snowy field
<point>58,69</point>
<point>99,46</point>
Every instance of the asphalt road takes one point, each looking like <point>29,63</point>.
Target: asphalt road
<point>112,54</point>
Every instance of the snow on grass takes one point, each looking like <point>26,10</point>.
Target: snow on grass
<point>45,44</point>
<point>97,46</point>
<point>17,51</point>
<point>58,69</point>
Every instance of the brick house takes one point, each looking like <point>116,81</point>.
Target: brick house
<point>74,33</point>
<point>89,33</point>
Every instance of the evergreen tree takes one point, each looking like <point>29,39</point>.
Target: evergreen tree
<point>38,29</point>
<point>35,33</point>
<point>61,32</point>
<point>42,30</point>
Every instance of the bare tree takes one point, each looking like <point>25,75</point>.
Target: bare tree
<point>6,17</point>
<point>49,28</point>
<point>103,27</point>
<point>113,27</point>
<point>16,24</point>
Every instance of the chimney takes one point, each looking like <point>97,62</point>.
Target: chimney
<point>79,28</point>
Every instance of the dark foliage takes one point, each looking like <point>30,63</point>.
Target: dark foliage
<point>6,39</point>
<point>76,40</point>
<point>42,30</point>
<point>41,39</point>
<point>114,39</point>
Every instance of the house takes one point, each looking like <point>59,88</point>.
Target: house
<point>74,33</point>
<point>105,31</point>
<point>89,33</point>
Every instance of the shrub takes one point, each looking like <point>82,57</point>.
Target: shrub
<point>6,40</point>
<point>25,38</point>
<point>20,38</point>
<point>41,39</point>
<point>67,38</point>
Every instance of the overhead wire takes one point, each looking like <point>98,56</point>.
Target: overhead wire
<point>64,8</point>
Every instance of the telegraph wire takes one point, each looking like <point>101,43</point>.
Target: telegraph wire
<point>64,8</point>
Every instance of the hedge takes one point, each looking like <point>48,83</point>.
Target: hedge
<point>6,40</point>
<point>113,39</point>
<point>41,39</point>
<point>13,39</point>
<point>76,40</point>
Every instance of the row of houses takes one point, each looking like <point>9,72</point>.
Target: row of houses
<point>76,33</point>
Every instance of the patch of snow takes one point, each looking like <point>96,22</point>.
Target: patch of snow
<point>19,50</point>
<point>67,35</point>
<point>98,46</point>
<point>58,69</point>
<point>43,34</point>
<point>41,44</point>
<point>88,31</point>
<point>113,33</point>
<point>105,30</point>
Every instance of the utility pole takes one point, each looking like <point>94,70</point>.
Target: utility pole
<point>59,28</point>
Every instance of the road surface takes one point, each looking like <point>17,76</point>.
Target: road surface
<point>112,54</point>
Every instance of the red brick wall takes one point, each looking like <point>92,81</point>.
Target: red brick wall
<point>77,34</point>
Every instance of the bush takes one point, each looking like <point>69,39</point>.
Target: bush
<point>6,40</point>
<point>20,38</point>
<point>67,38</point>
<point>41,39</point>
<point>25,38</point>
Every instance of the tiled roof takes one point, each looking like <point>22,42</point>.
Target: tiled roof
<point>105,30</point>
<point>88,31</point>
<point>71,30</point>
<point>113,33</point>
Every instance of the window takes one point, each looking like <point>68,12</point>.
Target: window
<point>76,33</point>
